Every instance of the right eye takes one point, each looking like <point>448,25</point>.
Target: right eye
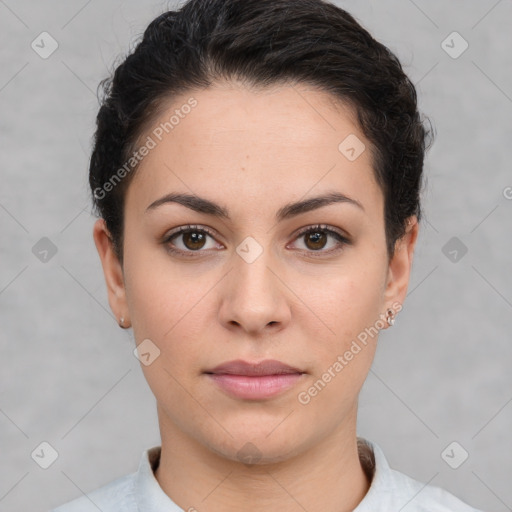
<point>193,240</point>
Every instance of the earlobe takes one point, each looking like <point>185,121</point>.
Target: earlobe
<point>400,265</point>
<point>112,270</point>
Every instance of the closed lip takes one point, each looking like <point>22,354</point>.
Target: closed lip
<point>266,367</point>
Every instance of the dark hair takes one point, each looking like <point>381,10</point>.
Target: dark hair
<point>262,43</point>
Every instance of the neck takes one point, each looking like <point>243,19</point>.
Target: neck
<point>328,476</point>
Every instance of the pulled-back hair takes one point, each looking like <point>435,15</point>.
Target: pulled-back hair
<point>262,43</point>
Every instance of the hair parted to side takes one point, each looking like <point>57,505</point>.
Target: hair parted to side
<point>263,43</point>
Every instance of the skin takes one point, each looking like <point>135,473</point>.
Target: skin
<point>253,151</point>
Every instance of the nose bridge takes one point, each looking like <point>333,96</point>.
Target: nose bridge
<point>253,296</point>
<point>253,261</point>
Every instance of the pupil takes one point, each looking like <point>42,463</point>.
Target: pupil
<point>196,239</point>
<point>315,237</point>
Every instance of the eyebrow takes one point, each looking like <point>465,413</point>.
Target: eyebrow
<point>202,205</point>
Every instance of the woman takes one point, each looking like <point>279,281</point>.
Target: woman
<point>257,169</point>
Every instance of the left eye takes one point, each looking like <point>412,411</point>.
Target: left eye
<point>316,238</point>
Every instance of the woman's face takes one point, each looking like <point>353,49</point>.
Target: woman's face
<point>252,287</point>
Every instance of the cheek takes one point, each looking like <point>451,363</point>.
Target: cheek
<point>349,301</point>
<point>168,306</point>
<point>342,358</point>
<point>350,308</point>
<point>163,311</point>
<point>154,290</point>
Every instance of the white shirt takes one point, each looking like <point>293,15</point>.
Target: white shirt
<point>390,490</point>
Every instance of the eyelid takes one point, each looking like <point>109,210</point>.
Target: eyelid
<point>343,239</point>
<point>324,227</point>
<point>185,229</point>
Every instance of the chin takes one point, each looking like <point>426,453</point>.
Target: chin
<point>262,442</point>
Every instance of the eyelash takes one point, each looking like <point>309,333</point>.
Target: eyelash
<point>342,240</point>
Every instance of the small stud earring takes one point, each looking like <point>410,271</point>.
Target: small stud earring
<point>121,322</point>
<point>390,317</point>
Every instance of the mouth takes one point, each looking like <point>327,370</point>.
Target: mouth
<point>255,381</point>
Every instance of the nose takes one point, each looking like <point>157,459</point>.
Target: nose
<point>254,295</point>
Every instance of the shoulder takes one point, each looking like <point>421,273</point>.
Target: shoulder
<point>420,497</point>
<point>114,496</point>
<point>393,490</point>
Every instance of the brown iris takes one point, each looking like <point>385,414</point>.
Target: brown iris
<point>194,240</point>
<point>316,237</point>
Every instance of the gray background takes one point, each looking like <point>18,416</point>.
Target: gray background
<point>67,372</point>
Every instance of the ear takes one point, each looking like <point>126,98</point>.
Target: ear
<point>400,265</point>
<point>112,270</point>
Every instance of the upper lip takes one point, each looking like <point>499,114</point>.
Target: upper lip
<point>266,367</point>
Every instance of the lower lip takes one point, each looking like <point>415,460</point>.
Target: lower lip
<point>255,387</point>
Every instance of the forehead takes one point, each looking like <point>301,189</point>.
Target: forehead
<point>238,141</point>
